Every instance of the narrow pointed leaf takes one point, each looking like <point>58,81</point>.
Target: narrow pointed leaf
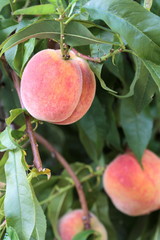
<point>55,208</point>
<point>18,205</point>
<point>75,34</point>
<point>40,222</point>
<point>42,9</point>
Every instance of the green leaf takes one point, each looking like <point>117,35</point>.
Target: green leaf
<point>139,230</point>
<point>53,2</point>
<point>99,50</point>
<point>119,71</point>
<point>15,55</point>
<point>21,213</point>
<point>8,93</point>
<point>97,68</point>
<point>80,169</point>
<point>144,89</point>
<point>154,70</point>
<point>13,114</point>
<point>142,26</point>
<point>103,214</point>
<point>156,235</point>
<point>92,130</point>
<point>18,58</point>
<point>84,235</point>
<point>78,8</point>
<point>3,159</point>
<point>112,136</point>
<point>41,29</point>
<point>40,222</point>
<point>43,9</point>
<point>75,34</point>
<point>11,234</point>
<point>7,26</point>
<point>116,69</point>
<point>1,209</point>
<point>132,85</point>
<point>2,164</point>
<point>42,188</point>
<point>7,141</point>
<point>3,3</point>
<point>10,55</point>
<point>156,7</point>
<point>55,209</point>
<point>28,49</point>
<point>137,127</point>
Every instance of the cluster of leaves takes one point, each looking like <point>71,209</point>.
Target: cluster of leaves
<point>125,112</point>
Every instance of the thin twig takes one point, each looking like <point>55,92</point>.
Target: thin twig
<point>78,185</point>
<point>88,58</point>
<point>36,156</point>
<point>37,159</point>
<point>112,53</point>
<point>3,224</point>
<point>17,85</point>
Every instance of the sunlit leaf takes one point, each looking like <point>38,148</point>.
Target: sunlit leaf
<point>42,9</point>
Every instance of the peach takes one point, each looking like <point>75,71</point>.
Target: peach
<point>57,90</point>
<point>133,189</point>
<point>71,224</point>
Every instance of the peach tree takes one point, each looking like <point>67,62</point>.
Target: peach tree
<point>93,171</point>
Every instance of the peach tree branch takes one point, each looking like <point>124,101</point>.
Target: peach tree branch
<point>78,185</point>
<point>36,156</point>
<point>112,53</point>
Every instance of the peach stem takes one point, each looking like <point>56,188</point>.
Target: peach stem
<point>78,185</point>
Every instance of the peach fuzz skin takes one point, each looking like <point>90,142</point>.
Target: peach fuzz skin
<point>133,189</point>
<point>71,224</point>
<point>56,90</point>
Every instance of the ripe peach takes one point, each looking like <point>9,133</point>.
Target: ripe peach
<point>56,90</point>
<point>71,224</point>
<point>133,189</point>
